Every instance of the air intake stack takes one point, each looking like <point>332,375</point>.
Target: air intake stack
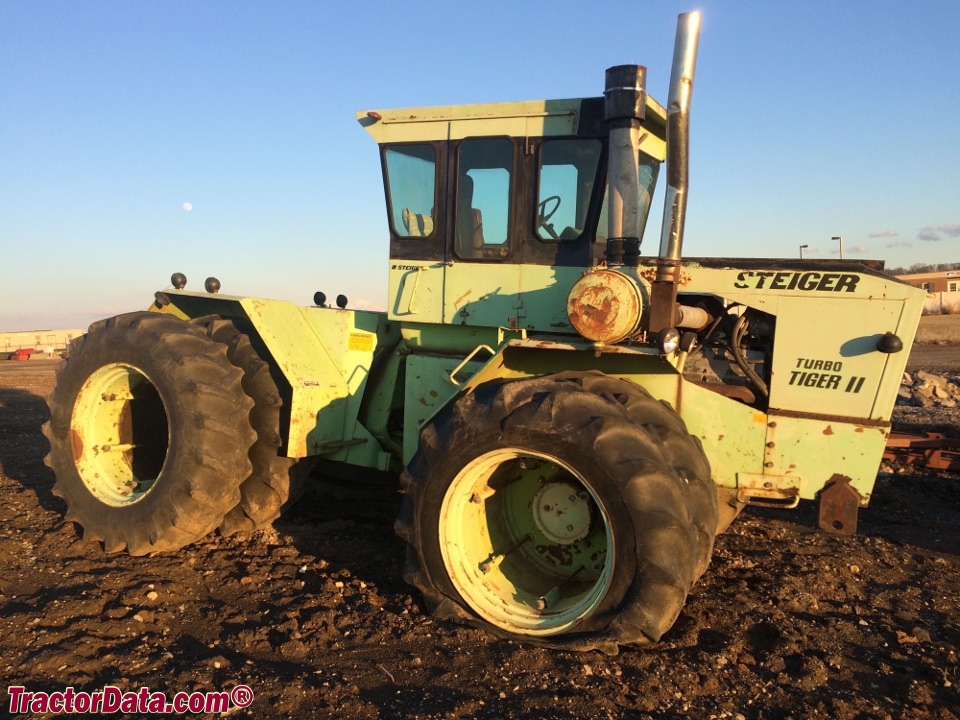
<point>625,100</point>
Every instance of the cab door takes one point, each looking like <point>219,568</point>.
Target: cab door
<point>482,277</point>
<point>415,182</point>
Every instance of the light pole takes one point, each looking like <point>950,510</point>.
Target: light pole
<point>837,237</point>
<point>801,250</point>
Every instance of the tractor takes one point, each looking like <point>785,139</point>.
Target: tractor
<point>571,421</point>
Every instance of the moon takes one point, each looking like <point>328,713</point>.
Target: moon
<point>188,206</point>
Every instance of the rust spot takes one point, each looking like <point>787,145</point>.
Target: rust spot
<point>828,430</point>
<point>76,445</point>
<point>456,303</point>
<point>859,430</point>
<point>561,554</point>
<point>650,274</point>
<point>591,313</point>
<point>433,393</point>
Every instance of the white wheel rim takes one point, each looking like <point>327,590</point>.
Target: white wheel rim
<point>119,433</point>
<point>514,569</point>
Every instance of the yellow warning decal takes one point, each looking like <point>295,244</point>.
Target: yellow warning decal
<point>360,341</point>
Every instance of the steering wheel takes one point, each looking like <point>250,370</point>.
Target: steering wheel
<point>542,214</point>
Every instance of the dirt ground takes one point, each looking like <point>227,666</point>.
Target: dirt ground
<point>313,615</point>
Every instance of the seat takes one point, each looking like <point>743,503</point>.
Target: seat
<point>417,224</point>
<point>469,221</point>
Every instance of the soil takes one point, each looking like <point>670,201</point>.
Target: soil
<point>313,615</point>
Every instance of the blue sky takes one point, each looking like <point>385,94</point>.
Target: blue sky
<point>809,120</point>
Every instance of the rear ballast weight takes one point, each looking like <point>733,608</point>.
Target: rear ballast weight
<point>572,422</point>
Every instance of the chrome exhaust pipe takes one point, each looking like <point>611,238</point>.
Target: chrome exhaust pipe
<point>664,292</point>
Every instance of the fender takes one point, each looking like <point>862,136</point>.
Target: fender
<point>324,354</point>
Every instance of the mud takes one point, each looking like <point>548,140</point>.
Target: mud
<point>314,617</point>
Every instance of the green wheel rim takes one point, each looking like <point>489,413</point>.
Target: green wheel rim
<point>526,542</point>
<point>119,432</point>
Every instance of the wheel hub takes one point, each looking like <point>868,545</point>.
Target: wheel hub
<point>562,513</point>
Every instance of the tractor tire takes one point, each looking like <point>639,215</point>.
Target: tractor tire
<point>148,433</point>
<point>573,510</point>
<point>276,482</point>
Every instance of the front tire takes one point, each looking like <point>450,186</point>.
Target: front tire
<point>148,432</point>
<point>572,509</point>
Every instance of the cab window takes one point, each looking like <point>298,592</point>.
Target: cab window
<point>412,182</point>
<point>484,186</point>
<point>568,173</point>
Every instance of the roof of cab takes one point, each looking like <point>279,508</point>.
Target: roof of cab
<point>533,118</point>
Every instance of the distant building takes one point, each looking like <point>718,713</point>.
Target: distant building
<point>934,282</point>
<point>45,342</point>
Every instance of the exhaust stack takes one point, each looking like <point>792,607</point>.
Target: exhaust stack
<point>663,296</point>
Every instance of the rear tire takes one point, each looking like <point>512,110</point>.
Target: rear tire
<point>148,433</point>
<point>573,509</point>
<point>276,481</point>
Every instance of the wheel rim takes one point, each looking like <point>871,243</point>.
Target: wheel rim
<point>526,542</point>
<point>119,434</point>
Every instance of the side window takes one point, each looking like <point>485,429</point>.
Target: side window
<point>648,171</point>
<point>568,172</point>
<point>412,180</point>
<point>484,179</point>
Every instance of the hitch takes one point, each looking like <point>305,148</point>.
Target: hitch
<point>839,504</point>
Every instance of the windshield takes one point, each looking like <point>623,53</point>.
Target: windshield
<point>568,173</point>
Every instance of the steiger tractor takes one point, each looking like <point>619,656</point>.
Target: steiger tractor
<point>572,422</point>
